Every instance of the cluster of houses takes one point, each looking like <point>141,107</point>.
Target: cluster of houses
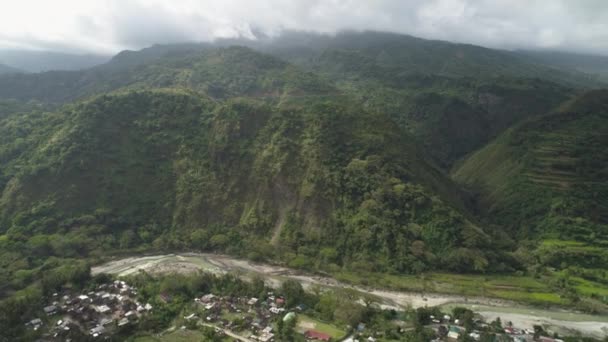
<point>449,329</point>
<point>251,316</point>
<point>97,313</point>
<point>256,316</point>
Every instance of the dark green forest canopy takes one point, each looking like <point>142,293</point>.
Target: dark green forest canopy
<point>331,158</point>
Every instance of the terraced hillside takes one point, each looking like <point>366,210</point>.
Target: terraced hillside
<point>554,162</point>
<point>546,178</point>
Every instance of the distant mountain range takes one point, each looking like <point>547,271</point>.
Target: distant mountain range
<point>5,69</point>
<point>38,61</point>
<point>594,65</point>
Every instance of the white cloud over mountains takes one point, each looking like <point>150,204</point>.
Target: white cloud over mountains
<point>111,25</point>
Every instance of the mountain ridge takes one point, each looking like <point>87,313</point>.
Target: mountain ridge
<point>332,163</point>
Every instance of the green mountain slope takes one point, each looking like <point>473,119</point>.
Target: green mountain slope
<point>546,178</point>
<point>329,154</point>
<point>411,55</point>
<point>221,72</point>
<point>452,97</point>
<point>311,180</point>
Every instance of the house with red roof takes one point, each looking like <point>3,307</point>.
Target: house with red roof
<point>316,335</point>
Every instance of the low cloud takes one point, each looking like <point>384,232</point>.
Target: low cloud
<point>111,25</point>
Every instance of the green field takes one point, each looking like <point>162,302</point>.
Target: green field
<point>522,289</point>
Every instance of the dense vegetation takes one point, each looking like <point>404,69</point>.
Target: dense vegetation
<point>544,180</point>
<point>172,169</point>
<point>332,157</point>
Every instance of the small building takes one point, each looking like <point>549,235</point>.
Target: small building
<point>36,322</point>
<point>475,335</point>
<point>276,310</point>
<point>102,309</point>
<point>266,337</point>
<point>316,335</point>
<point>207,298</point>
<point>105,321</point>
<point>98,330</point>
<point>50,310</point>
<point>123,322</point>
<point>252,301</point>
<point>454,332</point>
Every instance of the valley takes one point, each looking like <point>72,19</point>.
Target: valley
<point>564,321</point>
<point>424,174</point>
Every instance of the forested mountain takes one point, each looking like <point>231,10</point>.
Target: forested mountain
<point>594,65</point>
<point>402,55</point>
<point>452,108</point>
<point>320,152</point>
<point>220,72</point>
<point>173,169</point>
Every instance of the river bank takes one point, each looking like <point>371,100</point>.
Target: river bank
<point>489,308</point>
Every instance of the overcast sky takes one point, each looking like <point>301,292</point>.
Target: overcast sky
<point>107,26</point>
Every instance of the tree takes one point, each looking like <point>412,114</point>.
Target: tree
<point>326,306</point>
<point>293,292</point>
<point>258,287</point>
<point>442,331</point>
<point>497,325</point>
<point>210,335</point>
<point>465,315</point>
<point>538,331</point>
<point>286,329</point>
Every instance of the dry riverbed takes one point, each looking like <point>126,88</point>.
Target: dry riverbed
<point>565,322</point>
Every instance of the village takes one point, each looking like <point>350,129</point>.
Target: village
<point>113,308</point>
<point>253,319</point>
<point>95,314</point>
